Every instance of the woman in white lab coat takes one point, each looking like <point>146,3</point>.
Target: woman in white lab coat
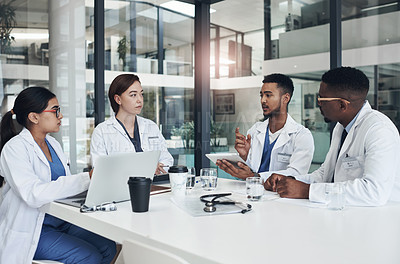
<point>126,131</point>
<point>36,173</point>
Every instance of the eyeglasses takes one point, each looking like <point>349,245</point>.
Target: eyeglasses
<point>57,111</point>
<point>329,99</point>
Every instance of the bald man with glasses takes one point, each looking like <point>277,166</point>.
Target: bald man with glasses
<point>364,156</point>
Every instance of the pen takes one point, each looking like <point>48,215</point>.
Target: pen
<point>160,191</point>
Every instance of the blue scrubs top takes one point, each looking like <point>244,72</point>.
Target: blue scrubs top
<point>57,170</point>
<point>136,137</point>
<point>266,156</point>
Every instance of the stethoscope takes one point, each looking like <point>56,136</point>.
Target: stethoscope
<point>105,207</point>
<point>210,204</point>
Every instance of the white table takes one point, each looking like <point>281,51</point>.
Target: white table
<point>274,232</point>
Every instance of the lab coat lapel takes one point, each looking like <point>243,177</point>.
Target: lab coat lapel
<point>346,144</point>
<point>59,153</point>
<point>142,127</point>
<point>26,134</point>
<point>118,127</point>
<point>288,129</point>
<point>262,129</point>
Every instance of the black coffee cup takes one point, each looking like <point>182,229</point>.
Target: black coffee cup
<point>139,190</point>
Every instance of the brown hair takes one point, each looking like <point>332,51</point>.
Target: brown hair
<point>119,85</point>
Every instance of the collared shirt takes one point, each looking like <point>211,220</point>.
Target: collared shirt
<point>350,125</point>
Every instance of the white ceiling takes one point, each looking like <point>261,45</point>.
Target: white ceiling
<point>239,15</point>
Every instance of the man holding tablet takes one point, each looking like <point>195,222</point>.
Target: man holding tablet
<point>276,145</point>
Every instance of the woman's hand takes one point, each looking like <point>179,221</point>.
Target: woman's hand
<point>160,169</point>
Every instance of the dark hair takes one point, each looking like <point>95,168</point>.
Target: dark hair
<point>283,81</point>
<point>32,99</point>
<point>347,79</point>
<point>120,84</point>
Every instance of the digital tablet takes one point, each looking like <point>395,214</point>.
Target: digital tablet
<point>229,156</point>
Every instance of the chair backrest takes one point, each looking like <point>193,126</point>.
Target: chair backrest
<point>138,252</point>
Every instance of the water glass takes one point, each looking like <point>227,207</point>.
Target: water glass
<point>254,188</point>
<point>208,178</point>
<point>335,195</point>
<point>191,178</point>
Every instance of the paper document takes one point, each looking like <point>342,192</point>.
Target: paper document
<point>303,202</point>
<point>266,196</point>
<point>195,207</point>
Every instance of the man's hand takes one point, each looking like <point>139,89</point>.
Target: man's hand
<point>271,182</point>
<point>290,188</point>
<point>242,144</point>
<point>160,169</point>
<point>287,187</point>
<point>242,172</point>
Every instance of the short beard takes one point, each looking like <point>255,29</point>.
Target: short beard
<point>266,117</point>
<point>273,113</point>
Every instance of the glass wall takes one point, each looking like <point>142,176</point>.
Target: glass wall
<point>297,29</point>
<point>371,41</point>
<point>131,39</point>
<point>52,45</point>
<point>24,51</point>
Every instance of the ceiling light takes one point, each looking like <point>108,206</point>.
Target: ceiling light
<point>116,5</point>
<point>378,6</point>
<point>183,8</point>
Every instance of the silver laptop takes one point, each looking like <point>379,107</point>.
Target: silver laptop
<point>109,181</point>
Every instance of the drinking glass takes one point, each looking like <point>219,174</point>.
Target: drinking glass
<point>191,178</point>
<point>335,196</point>
<point>254,188</point>
<point>208,178</point>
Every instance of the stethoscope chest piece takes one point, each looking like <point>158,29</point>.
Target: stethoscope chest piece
<point>209,207</point>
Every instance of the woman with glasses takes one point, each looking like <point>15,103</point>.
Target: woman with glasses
<point>126,131</point>
<point>36,173</point>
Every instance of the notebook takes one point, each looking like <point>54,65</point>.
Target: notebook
<point>109,181</point>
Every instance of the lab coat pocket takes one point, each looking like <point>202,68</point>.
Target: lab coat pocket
<point>16,240</point>
<point>353,166</point>
<point>284,157</point>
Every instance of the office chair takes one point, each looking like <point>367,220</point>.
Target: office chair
<point>137,252</point>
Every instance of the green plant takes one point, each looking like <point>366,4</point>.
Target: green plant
<point>186,131</point>
<point>122,50</point>
<point>7,23</point>
<point>216,131</point>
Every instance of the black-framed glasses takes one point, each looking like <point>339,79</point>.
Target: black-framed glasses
<point>57,111</point>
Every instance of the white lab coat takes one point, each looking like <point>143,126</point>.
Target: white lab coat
<point>292,153</point>
<point>110,137</point>
<point>28,187</point>
<point>368,165</point>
